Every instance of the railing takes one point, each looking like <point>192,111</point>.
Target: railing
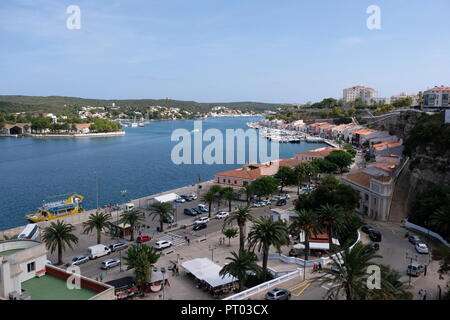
<point>427,232</point>
<point>264,286</point>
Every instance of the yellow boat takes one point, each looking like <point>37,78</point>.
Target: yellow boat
<point>57,209</point>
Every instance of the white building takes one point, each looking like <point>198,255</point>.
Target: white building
<point>436,99</point>
<point>20,260</point>
<point>365,94</point>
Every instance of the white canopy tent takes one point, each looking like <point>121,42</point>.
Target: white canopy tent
<point>166,198</point>
<point>206,270</point>
<point>317,245</point>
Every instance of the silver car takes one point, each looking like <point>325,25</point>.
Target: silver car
<point>78,260</point>
<point>110,263</point>
<point>278,294</point>
<point>421,248</point>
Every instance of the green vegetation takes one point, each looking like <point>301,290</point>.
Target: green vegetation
<point>442,253</point>
<point>132,217</point>
<point>342,159</point>
<point>161,210</point>
<point>97,221</point>
<point>307,221</point>
<point>213,195</point>
<point>141,258</point>
<point>264,234</point>
<point>105,125</point>
<point>240,265</point>
<point>265,186</point>
<point>242,215</point>
<point>286,177</point>
<point>230,233</point>
<point>229,195</point>
<point>59,235</point>
<point>431,209</point>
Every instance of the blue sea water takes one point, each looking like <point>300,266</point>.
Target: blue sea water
<point>33,170</point>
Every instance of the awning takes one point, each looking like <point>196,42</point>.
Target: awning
<point>206,270</point>
<point>317,245</point>
<point>166,197</point>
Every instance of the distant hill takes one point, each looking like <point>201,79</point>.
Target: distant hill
<point>59,104</point>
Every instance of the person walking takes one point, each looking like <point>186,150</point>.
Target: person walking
<point>424,294</point>
<point>320,267</point>
<point>421,292</point>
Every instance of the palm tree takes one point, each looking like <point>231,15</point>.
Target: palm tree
<point>332,219</point>
<point>132,218</point>
<point>266,233</point>
<point>216,190</point>
<point>242,215</point>
<point>229,195</point>
<point>98,221</point>
<point>209,197</point>
<point>161,210</point>
<point>141,258</point>
<point>57,236</point>
<point>248,191</point>
<point>351,274</point>
<point>441,220</point>
<point>308,222</point>
<point>241,263</point>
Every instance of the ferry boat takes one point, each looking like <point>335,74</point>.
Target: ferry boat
<point>57,209</point>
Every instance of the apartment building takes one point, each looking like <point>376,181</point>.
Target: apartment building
<point>365,94</point>
<point>387,148</point>
<point>436,99</point>
<point>319,153</point>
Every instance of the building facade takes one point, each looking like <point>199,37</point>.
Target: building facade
<point>367,95</point>
<point>436,99</point>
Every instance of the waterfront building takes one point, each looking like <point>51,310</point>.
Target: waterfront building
<point>82,127</point>
<point>319,153</point>
<point>436,99</point>
<point>18,128</point>
<point>365,94</point>
<point>363,136</point>
<point>347,133</point>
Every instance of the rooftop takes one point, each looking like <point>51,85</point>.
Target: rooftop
<point>363,178</point>
<point>325,151</point>
<point>48,287</point>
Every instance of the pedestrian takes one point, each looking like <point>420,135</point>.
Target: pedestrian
<point>424,294</point>
<point>177,270</point>
<point>421,294</point>
<point>425,271</point>
<point>314,267</point>
<point>189,241</point>
<point>101,277</point>
<point>320,267</point>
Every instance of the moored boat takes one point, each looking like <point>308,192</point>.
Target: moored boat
<point>57,209</point>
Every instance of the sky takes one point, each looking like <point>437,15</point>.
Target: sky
<point>288,51</point>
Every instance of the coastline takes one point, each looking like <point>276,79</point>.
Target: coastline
<point>78,135</point>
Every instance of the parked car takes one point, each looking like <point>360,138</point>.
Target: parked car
<point>187,197</point>
<point>372,247</point>
<point>375,236</point>
<point>78,260</point>
<point>414,269</point>
<point>266,202</point>
<point>414,239</point>
<point>421,247</point>
<point>97,251</point>
<point>199,226</point>
<point>278,294</point>
<point>190,212</point>
<point>142,239</point>
<point>168,218</point>
<point>257,204</point>
<point>366,229</point>
<point>202,220</point>
<point>118,246</point>
<point>110,263</point>
<point>203,208</point>
<point>198,211</point>
<point>193,196</point>
<point>180,199</point>
<point>222,214</point>
<point>162,244</point>
<point>281,202</point>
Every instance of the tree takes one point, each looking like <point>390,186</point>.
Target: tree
<point>240,265</point>
<point>229,195</point>
<point>308,222</point>
<point>332,219</point>
<point>242,215</point>
<point>392,287</point>
<point>59,235</point>
<point>230,233</point>
<point>162,209</point>
<point>325,166</point>
<point>141,258</point>
<point>304,172</point>
<point>209,197</point>
<point>351,274</point>
<point>132,217</point>
<point>248,191</point>
<point>441,221</point>
<point>265,186</point>
<point>266,233</point>
<point>286,177</point>
<point>340,158</point>
<point>98,221</point>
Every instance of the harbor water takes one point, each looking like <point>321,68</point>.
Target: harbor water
<point>36,170</point>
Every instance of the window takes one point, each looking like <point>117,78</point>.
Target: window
<point>31,266</point>
<point>366,197</point>
<point>235,181</point>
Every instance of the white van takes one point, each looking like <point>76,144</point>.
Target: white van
<point>129,206</point>
<point>98,250</point>
<point>31,232</point>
